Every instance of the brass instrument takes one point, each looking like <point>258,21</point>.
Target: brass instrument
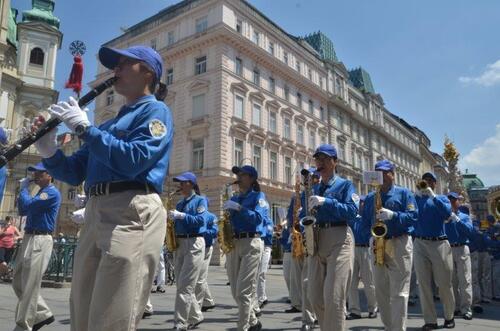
<point>379,231</point>
<point>225,234</point>
<point>298,249</point>
<point>170,240</point>
<point>309,220</point>
<point>422,185</point>
<point>495,207</point>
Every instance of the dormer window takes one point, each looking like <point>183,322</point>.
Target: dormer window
<point>37,56</point>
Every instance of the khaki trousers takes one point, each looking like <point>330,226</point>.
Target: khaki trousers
<point>329,274</point>
<point>308,316</point>
<point>188,262</point>
<point>363,270</point>
<point>202,291</point>
<point>32,261</point>
<point>115,260</point>
<point>242,265</point>
<point>392,282</point>
<point>287,262</point>
<point>462,278</point>
<point>296,267</point>
<point>434,260</point>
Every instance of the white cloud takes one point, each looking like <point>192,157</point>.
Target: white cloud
<point>484,159</point>
<point>489,77</point>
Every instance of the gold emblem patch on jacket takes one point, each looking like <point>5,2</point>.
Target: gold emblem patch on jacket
<point>157,129</point>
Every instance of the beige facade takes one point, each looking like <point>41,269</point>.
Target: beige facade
<point>243,90</point>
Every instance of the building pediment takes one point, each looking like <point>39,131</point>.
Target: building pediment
<point>239,87</point>
<point>287,111</point>
<point>198,84</point>
<point>258,96</point>
<point>39,27</point>
<point>273,104</point>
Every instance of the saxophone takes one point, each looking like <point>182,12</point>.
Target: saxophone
<point>309,220</point>
<point>170,241</point>
<point>298,250</point>
<point>379,231</point>
<point>225,234</point>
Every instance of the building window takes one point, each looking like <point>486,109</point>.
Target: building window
<point>366,166</point>
<point>309,74</point>
<point>153,43</point>
<point>239,103</point>
<point>272,121</point>
<point>201,65</point>
<point>341,122</point>
<point>358,160</point>
<point>272,85</point>
<point>110,97</point>
<point>322,113</point>
<point>312,139</point>
<point>338,87</point>
<point>311,106</point>
<point>256,76</point>
<point>170,38</point>
<point>286,91</point>
<point>270,48</point>
<point>198,152</point>
<point>287,128</point>
<point>299,100</point>
<point>322,139</point>
<point>239,66</point>
<point>36,56</point>
<point>239,26</point>
<point>256,112</point>
<point>256,37</point>
<point>201,24</point>
<point>238,151</point>
<point>198,105</point>
<point>300,134</point>
<point>297,65</point>
<point>257,157</point>
<point>273,165</point>
<point>288,170</point>
<point>285,57</point>
<point>170,76</point>
<point>341,150</point>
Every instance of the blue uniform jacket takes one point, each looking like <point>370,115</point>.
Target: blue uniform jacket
<point>212,229</point>
<point>402,202</point>
<point>196,218</point>
<point>133,146</point>
<point>285,240</point>
<point>339,206</point>
<point>41,210</point>
<point>432,213</point>
<point>253,215</point>
<point>459,232</point>
<point>481,242</point>
<point>269,230</point>
<point>289,215</point>
<point>362,233</point>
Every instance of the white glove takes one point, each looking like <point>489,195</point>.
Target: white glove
<point>385,214</point>
<point>454,218</point>
<point>229,204</point>
<point>78,216</point>
<point>70,113</point>
<point>79,200</point>
<point>428,191</point>
<point>315,201</point>
<point>176,215</point>
<point>25,183</point>
<point>47,145</point>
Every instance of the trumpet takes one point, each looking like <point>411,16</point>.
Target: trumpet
<point>422,185</point>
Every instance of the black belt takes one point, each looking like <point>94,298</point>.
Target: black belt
<point>433,238</point>
<point>192,235</point>
<point>331,224</point>
<point>395,236</point>
<point>243,235</point>
<point>362,245</point>
<point>457,245</point>
<point>115,187</point>
<point>37,232</point>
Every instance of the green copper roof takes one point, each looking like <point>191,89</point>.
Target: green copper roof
<point>360,78</point>
<point>12,27</point>
<point>42,11</point>
<point>472,181</point>
<point>323,45</point>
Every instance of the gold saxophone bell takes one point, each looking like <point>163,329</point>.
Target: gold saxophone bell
<point>225,234</point>
<point>422,185</point>
<point>170,240</point>
<point>379,230</point>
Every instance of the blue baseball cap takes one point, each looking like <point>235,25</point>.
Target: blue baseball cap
<point>186,177</point>
<point>109,57</point>
<point>464,209</point>
<point>245,170</point>
<point>384,165</point>
<point>429,175</point>
<point>37,167</point>
<point>327,149</point>
<point>453,195</point>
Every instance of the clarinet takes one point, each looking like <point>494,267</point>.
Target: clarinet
<point>19,146</point>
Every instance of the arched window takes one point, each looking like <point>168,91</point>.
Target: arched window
<point>36,56</point>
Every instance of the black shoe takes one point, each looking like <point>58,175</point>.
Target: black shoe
<point>147,314</point>
<point>263,303</point>
<point>41,324</point>
<point>467,316</point>
<point>206,308</point>
<point>352,316</point>
<point>373,314</point>
<point>256,327</point>
<point>457,313</point>
<point>290,301</point>
<point>161,289</point>
<point>228,283</point>
<point>430,326</point>
<point>195,325</point>
<point>449,324</point>
<point>477,309</point>
<point>293,310</point>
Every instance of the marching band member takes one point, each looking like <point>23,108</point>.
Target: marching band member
<point>433,257</point>
<point>123,162</point>
<point>249,213</point>
<point>286,245</point>
<point>458,231</point>
<point>363,268</point>
<point>392,279</point>
<point>264,264</point>
<point>190,217</point>
<point>330,268</point>
<point>202,291</point>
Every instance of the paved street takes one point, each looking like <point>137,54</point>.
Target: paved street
<point>225,316</point>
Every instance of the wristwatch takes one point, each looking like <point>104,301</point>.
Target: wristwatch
<point>81,129</point>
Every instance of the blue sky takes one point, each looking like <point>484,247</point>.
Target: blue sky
<point>433,62</point>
